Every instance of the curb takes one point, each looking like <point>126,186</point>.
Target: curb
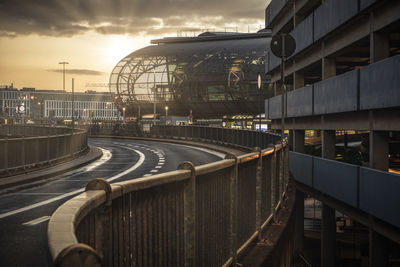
<point>30,179</point>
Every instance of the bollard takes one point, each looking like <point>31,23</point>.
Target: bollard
<point>189,215</point>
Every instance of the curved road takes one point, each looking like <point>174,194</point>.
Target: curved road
<point>24,214</point>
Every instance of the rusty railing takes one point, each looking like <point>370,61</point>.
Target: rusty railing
<point>194,216</point>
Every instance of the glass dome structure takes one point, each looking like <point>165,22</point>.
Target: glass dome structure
<point>212,74</point>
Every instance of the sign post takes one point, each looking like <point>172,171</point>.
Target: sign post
<point>283,46</point>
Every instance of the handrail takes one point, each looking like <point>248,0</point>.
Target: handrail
<point>32,151</point>
<point>180,206</point>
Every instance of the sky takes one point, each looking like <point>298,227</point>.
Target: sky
<point>94,35</point>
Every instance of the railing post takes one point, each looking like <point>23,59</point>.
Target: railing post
<point>258,192</point>
<point>233,209</point>
<point>281,171</point>
<point>103,219</point>
<point>6,154</point>
<point>23,156</point>
<point>273,181</point>
<point>189,212</point>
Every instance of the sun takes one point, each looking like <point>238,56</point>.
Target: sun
<point>119,46</point>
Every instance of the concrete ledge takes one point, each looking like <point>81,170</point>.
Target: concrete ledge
<point>24,179</point>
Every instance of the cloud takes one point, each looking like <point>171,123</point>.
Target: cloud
<point>72,17</point>
<point>79,72</point>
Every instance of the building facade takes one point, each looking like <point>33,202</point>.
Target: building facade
<point>343,76</point>
<point>213,74</point>
<point>57,104</point>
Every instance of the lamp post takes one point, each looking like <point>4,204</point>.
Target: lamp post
<point>123,113</point>
<point>63,63</point>
<point>155,98</point>
<point>166,111</point>
<point>259,108</point>
<point>73,107</point>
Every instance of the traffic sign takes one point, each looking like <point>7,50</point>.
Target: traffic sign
<point>283,45</point>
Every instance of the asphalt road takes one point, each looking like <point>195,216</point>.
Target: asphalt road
<point>24,214</point>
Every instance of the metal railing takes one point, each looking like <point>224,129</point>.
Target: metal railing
<point>194,216</point>
<point>226,136</point>
<point>28,146</point>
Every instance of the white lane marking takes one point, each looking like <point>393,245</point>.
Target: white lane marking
<point>37,221</point>
<point>51,200</point>
<point>33,194</point>
<point>147,175</point>
<point>160,163</point>
<point>154,171</point>
<point>158,167</point>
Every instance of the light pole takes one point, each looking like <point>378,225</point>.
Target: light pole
<point>123,113</point>
<point>166,111</point>
<point>63,63</point>
<point>259,109</point>
<point>155,98</point>
<point>73,108</point>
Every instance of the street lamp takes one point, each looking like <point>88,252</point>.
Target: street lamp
<point>259,108</point>
<point>123,113</point>
<point>166,111</point>
<point>63,63</point>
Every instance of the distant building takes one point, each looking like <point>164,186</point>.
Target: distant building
<point>56,104</point>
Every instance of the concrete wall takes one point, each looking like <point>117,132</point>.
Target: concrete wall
<point>336,179</point>
<point>366,3</point>
<point>274,8</point>
<point>331,14</point>
<point>378,190</point>
<point>304,33</point>
<point>380,84</point>
<point>337,94</point>
<point>372,191</point>
<point>300,102</point>
<point>373,87</point>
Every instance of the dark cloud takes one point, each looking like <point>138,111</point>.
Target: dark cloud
<point>80,72</point>
<point>71,17</point>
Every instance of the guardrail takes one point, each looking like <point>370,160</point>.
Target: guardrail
<point>363,188</point>
<point>244,138</point>
<point>55,144</point>
<point>194,216</point>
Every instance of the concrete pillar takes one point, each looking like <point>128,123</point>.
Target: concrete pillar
<point>328,67</point>
<point>379,150</point>
<point>328,236</point>
<point>379,46</point>
<point>298,80</point>
<point>298,141</point>
<point>328,223</point>
<point>299,222</point>
<point>328,144</point>
<point>377,249</point>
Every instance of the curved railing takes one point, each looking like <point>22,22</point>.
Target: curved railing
<point>24,147</point>
<point>205,215</point>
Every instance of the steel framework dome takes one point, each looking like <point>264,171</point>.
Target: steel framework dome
<point>212,74</point>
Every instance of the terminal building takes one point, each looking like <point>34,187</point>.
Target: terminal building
<point>209,76</point>
<point>35,105</point>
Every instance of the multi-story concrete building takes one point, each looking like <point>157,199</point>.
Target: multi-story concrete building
<point>343,76</point>
<point>57,104</point>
